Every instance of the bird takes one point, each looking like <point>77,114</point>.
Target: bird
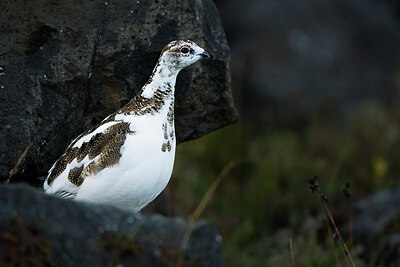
<point>127,160</point>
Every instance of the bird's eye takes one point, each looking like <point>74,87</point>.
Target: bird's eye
<point>184,50</point>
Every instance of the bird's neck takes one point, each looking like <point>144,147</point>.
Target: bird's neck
<point>156,94</point>
<point>162,80</point>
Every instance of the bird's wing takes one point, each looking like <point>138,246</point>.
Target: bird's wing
<point>64,195</point>
<point>87,155</point>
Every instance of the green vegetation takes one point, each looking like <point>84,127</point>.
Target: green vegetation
<point>265,200</point>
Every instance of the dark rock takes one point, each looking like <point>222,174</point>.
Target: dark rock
<point>376,224</point>
<point>63,232</point>
<point>205,241</point>
<point>387,250</point>
<point>373,213</point>
<point>66,65</point>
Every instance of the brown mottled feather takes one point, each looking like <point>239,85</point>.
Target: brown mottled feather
<point>106,145</point>
<point>74,175</point>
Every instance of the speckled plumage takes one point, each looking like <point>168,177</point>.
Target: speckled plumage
<point>127,160</point>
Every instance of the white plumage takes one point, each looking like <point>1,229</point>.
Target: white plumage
<point>128,159</point>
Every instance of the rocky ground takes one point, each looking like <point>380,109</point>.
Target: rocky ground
<point>377,225</point>
<point>38,229</point>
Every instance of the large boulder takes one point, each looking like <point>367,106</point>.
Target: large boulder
<point>376,225</point>
<point>36,228</point>
<point>66,65</point>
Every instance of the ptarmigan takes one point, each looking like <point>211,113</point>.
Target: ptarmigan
<point>128,159</point>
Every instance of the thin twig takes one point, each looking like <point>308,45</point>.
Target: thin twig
<point>14,170</point>
<point>351,222</point>
<point>315,187</point>
<point>339,235</point>
<point>291,250</point>
<point>204,201</point>
<point>331,238</point>
<point>346,192</point>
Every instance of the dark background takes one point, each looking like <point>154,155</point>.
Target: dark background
<point>317,84</point>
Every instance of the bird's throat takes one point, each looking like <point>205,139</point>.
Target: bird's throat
<point>162,79</point>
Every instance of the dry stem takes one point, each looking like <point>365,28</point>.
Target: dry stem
<point>314,186</point>
<point>14,170</point>
<point>204,201</point>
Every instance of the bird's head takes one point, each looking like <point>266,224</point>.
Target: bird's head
<point>180,54</point>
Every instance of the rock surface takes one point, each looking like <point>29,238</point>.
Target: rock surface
<point>67,65</point>
<point>67,233</point>
<point>376,224</point>
<point>376,211</point>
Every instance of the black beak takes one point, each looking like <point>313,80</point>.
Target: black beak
<point>204,54</point>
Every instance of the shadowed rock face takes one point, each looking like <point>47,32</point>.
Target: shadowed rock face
<point>376,224</point>
<point>65,66</point>
<point>66,233</point>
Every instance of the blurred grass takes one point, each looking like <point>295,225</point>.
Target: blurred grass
<point>266,199</point>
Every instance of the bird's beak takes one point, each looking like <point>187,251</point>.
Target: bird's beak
<point>204,54</point>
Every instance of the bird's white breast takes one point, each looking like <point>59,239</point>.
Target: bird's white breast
<point>144,169</point>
